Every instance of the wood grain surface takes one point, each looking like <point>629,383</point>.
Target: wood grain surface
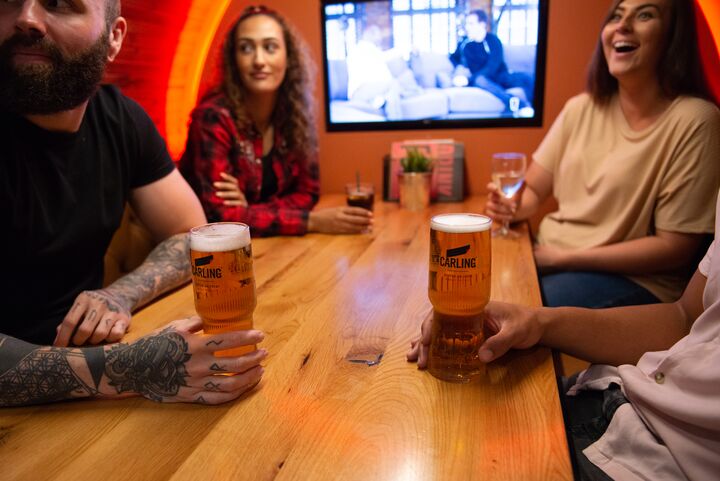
<point>327,304</point>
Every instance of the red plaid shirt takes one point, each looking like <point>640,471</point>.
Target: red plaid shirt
<point>214,145</point>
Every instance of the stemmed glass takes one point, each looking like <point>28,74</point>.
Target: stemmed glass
<point>508,174</point>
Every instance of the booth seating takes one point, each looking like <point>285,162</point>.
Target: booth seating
<point>128,249</point>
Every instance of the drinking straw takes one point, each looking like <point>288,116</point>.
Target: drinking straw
<point>357,179</point>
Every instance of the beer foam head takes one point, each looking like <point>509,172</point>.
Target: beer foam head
<point>460,223</point>
<point>218,237</point>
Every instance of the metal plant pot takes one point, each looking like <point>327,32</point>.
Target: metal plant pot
<point>414,190</point>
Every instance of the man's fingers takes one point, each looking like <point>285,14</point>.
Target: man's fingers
<point>118,331</point>
<point>424,340</point>
<point>412,354</point>
<point>229,340</point>
<point>214,398</point>
<point>223,365</point>
<point>418,353</point>
<point>103,328</point>
<point>422,356</point>
<point>89,322</point>
<point>221,389</point>
<point>69,323</point>
<point>190,324</point>
<point>237,382</point>
<point>495,346</point>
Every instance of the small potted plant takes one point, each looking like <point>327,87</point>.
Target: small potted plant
<point>414,180</point>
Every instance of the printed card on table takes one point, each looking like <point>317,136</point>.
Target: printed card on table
<point>447,178</point>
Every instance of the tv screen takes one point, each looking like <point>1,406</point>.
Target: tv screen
<point>406,64</point>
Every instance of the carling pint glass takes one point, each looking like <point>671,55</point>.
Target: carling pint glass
<point>459,289</point>
<point>223,281</point>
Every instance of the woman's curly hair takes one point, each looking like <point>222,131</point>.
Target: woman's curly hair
<point>294,113</point>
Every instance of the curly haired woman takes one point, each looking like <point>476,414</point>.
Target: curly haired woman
<point>251,154</point>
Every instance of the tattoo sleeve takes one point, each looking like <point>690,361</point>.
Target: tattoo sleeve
<point>153,366</point>
<point>31,374</point>
<point>165,268</point>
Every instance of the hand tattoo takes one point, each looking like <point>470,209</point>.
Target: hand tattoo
<point>152,366</point>
<point>217,367</point>
<point>111,302</point>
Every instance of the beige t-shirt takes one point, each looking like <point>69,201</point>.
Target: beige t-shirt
<point>614,184</point>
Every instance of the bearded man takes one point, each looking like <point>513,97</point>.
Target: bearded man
<point>72,155</point>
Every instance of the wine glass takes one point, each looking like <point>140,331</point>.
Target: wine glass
<point>508,174</point>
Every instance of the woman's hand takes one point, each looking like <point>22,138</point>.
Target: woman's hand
<point>229,190</point>
<point>340,220</point>
<point>551,259</point>
<point>499,207</point>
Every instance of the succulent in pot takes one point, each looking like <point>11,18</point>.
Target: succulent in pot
<point>414,180</point>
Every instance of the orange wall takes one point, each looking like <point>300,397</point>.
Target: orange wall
<point>573,27</point>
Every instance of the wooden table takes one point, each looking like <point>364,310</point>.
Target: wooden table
<point>324,302</point>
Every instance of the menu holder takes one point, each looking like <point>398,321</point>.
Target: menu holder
<point>448,158</point>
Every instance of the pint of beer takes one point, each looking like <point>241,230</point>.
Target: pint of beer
<point>459,289</point>
<point>223,281</point>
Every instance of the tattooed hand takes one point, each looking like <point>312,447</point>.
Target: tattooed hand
<point>174,364</point>
<point>178,365</point>
<point>95,316</point>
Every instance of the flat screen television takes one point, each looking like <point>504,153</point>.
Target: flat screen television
<point>409,64</point>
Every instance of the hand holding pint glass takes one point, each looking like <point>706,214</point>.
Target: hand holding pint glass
<point>223,281</point>
<point>459,289</point>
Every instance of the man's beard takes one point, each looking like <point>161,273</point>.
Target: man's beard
<point>65,83</point>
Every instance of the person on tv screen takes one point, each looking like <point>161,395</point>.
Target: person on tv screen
<point>251,153</point>
<point>633,164</point>
<point>370,79</point>
<point>479,61</point>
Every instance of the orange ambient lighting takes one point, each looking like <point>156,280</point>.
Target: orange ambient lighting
<point>711,10</point>
<point>708,16</point>
<point>203,19</point>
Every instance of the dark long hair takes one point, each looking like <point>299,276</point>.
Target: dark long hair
<point>294,113</point>
<point>679,70</point>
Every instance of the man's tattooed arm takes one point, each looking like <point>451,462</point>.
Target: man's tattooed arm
<point>154,366</point>
<point>31,374</point>
<point>165,268</point>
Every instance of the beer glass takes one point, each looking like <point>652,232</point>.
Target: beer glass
<point>223,281</point>
<point>459,289</point>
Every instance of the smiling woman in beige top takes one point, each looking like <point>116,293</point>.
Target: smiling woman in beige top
<point>633,164</point>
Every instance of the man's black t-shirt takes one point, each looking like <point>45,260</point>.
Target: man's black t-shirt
<point>62,197</point>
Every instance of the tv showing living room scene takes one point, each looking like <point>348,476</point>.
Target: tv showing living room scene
<point>405,64</point>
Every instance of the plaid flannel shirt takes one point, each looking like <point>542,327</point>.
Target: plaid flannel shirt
<point>214,145</point>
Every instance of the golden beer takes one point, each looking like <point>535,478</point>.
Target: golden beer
<point>459,289</point>
<point>223,281</point>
